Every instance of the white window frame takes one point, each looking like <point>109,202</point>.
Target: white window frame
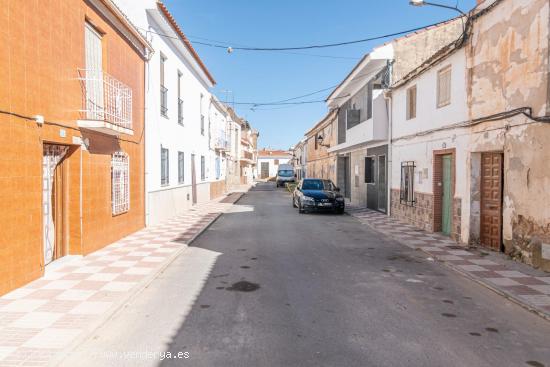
<point>120,183</point>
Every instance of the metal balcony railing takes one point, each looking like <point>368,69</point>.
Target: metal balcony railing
<point>105,98</point>
<point>163,100</point>
<point>247,155</point>
<point>221,143</point>
<point>180,111</point>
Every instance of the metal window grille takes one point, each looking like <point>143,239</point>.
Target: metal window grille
<point>105,98</point>
<point>202,124</point>
<point>120,183</point>
<point>203,169</point>
<point>163,100</point>
<point>164,166</point>
<point>181,167</point>
<point>180,111</point>
<point>407,183</point>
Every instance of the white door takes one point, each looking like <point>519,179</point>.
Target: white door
<point>94,74</point>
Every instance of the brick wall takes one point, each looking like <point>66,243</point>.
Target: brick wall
<point>419,215</point>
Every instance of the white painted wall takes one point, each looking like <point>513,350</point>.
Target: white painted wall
<point>163,131</point>
<point>272,166</point>
<point>420,148</point>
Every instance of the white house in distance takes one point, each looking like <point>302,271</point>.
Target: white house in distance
<point>220,146</point>
<point>176,127</point>
<point>269,161</point>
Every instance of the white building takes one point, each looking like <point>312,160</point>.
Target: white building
<point>176,127</point>
<point>269,161</point>
<point>429,155</point>
<point>220,146</point>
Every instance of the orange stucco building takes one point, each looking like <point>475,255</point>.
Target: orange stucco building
<point>71,132</point>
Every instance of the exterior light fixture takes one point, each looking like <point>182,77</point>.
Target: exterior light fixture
<point>320,139</point>
<point>422,3</point>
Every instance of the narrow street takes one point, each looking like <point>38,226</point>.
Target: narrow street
<point>324,290</point>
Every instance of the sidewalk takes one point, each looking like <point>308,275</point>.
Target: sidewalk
<point>518,282</point>
<point>54,313</point>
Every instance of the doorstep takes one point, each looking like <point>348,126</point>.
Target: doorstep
<point>518,282</point>
<point>45,319</point>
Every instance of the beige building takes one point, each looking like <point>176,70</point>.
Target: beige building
<point>320,163</point>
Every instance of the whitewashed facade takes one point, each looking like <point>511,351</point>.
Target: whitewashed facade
<point>176,121</point>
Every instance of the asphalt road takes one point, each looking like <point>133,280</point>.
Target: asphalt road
<point>323,290</point>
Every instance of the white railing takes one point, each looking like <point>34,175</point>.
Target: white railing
<point>105,98</point>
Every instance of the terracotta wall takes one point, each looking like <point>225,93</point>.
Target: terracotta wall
<point>39,62</point>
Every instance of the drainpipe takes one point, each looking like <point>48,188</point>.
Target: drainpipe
<point>80,208</point>
<point>389,173</point>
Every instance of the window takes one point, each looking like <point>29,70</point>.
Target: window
<point>203,169</point>
<point>444,87</point>
<point>120,183</point>
<point>202,115</point>
<point>369,170</point>
<point>180,100</point>
<point>407,184</point>
<point>218,168</point>
<point>181,167</point>
<point>164,166</point>
<point>163,89</point>
<point>370,87</point>
<point>411,102</point>
<point>276,162</point>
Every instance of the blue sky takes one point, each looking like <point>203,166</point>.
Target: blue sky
<point>273,76</point>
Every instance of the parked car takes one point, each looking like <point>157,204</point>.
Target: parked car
<point>313,194</point>
<point>285,174</point>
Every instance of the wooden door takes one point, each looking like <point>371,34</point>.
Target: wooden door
<point>59,201</point>
<point>193,179</point>
<point>264,170</point>
<point>491,200</point>
<point>447,195</point>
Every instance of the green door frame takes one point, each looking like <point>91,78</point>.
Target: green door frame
<point>447,195</point>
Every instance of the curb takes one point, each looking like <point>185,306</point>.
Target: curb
<point>113,311</point>
<point>508,296</point>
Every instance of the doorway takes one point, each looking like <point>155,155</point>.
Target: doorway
<point>54,200</point>
<point>264,170</point>
<point>343,175</point>
<point>446,195</point>
<point>491,200</point>
<point>193,180</point>
<point>382,184</point>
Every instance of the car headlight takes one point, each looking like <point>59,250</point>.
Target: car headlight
<point>340,199</point>
<point>308,200</point>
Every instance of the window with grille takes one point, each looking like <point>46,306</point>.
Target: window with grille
<point>180,100</point>
<point>407,183</point>
<point>163,89</point>
<point>164,166</point>
<point>444,87</point>
<point>181,167</point>
<point>411,102</point>
<point>120,183</point>
<point>203,169</point>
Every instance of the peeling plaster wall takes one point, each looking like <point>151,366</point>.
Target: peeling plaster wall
<point>412,50</point>
<point>507,62</point>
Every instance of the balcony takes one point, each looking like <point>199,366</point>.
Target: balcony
<point>373,130</point>
<point>247,157</point>
<point>106,103</point>
<point>221,144</point>
<point>180,111</point>
<point>163,101</point>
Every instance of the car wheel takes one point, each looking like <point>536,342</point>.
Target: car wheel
<point>300,210</point>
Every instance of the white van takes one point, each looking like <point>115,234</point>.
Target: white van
<point>285,174</point>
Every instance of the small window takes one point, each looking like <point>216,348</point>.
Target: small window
<point>444,87</point>
<point>163,89</point>
<point>411,102</point>
<point>180,100</point>
<point>181,167</point>
<point>369,170</point>
<point>407,184</point>
<point>164,167</point>
<point>120,183</point>
<point>203,169</point>
<point>370,88</point>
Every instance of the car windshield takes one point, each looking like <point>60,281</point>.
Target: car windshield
<point>317,185</point>
<point>286,173</point>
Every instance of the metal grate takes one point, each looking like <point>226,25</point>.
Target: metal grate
<point>105,98</point>
<point>407,183</point>
<point>163,100</point>
<point>120,183</point>
<point>180,111</point>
